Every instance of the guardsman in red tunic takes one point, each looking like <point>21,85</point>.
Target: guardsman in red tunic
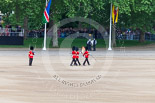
<point>73,57</point>
<point>77,55</point>
<point>86,54</point>
<point>31,54</point>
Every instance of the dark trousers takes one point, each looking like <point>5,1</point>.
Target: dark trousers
<point>94,47</point>
<point>74,62</point>
<point>30,61</point>
<point>89,47</point>
<point>78,61</point>
<point>86,60</point>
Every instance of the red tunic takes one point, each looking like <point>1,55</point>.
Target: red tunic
<point>77,54</point>
<point>86,54</point>
<point>31,54</point>
<point>73,54</point>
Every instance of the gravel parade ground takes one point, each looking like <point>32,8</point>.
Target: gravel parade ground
<point>124,75</point>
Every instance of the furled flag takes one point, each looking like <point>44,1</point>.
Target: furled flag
<point>45,18</point>
<point>115,14</point>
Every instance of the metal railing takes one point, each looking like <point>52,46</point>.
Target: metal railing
<point>150,37</point>
<point>11,32</point>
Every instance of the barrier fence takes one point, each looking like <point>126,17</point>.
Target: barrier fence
<point>20,32</point>
<point>148,37</point>
<point>10,36</point>
<point>11,32</point>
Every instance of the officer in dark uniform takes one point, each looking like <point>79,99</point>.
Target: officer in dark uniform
<point>89,44</point>
<point>94,44</point>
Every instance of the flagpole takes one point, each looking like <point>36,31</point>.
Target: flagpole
<point>44,48</point>
<point>110,28</point>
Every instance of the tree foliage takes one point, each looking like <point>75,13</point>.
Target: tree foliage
<point>132,13</point>
<point>137,14</point>
<point>22,9</point>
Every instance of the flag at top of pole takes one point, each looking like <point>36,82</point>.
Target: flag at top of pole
<point>45,18</point>
<point>115,14</point>
<point>114,19</point>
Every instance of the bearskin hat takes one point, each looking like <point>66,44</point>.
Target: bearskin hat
<point>73,48</point>
<point>31,48</point>
<point>86,48</point>
<point>77,49</point>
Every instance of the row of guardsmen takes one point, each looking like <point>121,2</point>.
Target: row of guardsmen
<point>75,55</point>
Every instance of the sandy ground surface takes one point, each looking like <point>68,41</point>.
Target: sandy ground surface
<point>125,75</point>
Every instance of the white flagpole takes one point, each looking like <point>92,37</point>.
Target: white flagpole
<point>44,48</point>
<point>110,28</point>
